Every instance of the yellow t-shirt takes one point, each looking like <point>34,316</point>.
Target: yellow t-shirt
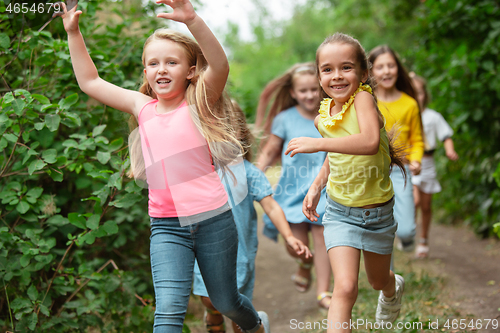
<point>355,180</point>
<point>404,114</point>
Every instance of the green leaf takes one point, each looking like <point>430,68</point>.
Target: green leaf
<point>35,166</point>
<point>77,220</point>
<point>110,227</point>
<point>44,310</point>
<point>68,101</point>
<point>20,303</point>
<point>50,156</point>
<point>39,126</point>
<point>32,293</point>
<point>57,221</point>
<point>93,222</point>
<point>127,200</point>
<point>25,260</point>
<point>35,192</point>
<point>4,41</point>
<point>52,121</point>
<point>32,321</point>
<point>115,144</point>
<point>55,174</point>
<point>18,105</point>
<point>11,137</point>
<point>42,99</point>
<point>22,207</point>
<point>98,130</point>
<point>103,157</point>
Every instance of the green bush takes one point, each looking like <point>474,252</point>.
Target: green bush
<point>74,233</point>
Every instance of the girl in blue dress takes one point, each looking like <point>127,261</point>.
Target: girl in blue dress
<point>294,98</point>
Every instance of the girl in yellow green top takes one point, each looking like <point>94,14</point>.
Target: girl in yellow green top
<point>360,200</point>
<point>397,102</point>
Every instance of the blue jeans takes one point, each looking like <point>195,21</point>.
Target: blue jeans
<point>404,206</point>
<point>214,243</point>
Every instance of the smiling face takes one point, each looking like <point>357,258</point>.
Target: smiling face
<point>339,71</point>
<point>166,68</point>
<point>385,71</point>
<point>306,91</point>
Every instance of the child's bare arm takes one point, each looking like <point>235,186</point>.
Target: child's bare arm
<point>277,216</point>
<point>270,152</point>
<point>86,73</point>
<point>450,149</point>
<point>313,195</point>
<point>218,66</point>
<point>364,143</point>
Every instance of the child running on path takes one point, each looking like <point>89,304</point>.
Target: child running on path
<point>295,101</point>
<point>359,210</point>
<point>179,110</point>
<point>425,184</point>
<point>397,102</point>
<point>251,185</point>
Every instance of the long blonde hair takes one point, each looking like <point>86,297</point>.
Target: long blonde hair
<point>278,91</point>
<point>213,118</point>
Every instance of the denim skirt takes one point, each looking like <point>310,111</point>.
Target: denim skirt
<point>371,230</point>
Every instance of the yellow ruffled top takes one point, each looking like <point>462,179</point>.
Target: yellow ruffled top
<point>326,104</point>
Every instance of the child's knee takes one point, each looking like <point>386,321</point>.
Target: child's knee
<point>346,290</point>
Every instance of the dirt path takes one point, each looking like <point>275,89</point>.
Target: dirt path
<point>470,267</point>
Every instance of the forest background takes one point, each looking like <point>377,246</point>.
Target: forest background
<point>74,232</point>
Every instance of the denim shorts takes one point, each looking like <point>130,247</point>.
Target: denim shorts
<point>371,230</point>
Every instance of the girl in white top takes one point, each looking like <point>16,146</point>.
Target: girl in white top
<point>425,184</point>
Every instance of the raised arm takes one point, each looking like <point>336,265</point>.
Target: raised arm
<point>86,73</point>
<point>218,66</point>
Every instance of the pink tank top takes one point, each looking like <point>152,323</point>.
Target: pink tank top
<point>181,178</point>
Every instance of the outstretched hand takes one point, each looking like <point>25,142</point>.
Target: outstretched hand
<point>183,11</point>
<point>302,145</point>
<point>70,17</point>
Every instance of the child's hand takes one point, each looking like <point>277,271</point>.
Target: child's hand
<point>183,11</point>
<point>452,155</point>
<point>310,203</point>
<point>70,17</point>
<point>302,145</point>
<point>415,167</point>
<point>298,246</point>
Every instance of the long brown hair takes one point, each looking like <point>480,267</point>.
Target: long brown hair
<point>213,118</point>
<point>278,92</point>
<point>396,152</point>
<point>403,82</point>
<point>244,133</point>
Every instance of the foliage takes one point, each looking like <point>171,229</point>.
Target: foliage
<point>458,52</point>
<point>74,230</point>
<point>277,45</point>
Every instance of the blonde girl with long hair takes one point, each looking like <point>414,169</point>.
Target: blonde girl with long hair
<point>181,111</point>
<point>359,211</point>
<point>293,101</point>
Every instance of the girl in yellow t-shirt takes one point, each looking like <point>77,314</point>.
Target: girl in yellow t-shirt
<point>360,200</point>
<point>396,100</point>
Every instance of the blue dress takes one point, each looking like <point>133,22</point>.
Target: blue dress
<point>251,185</point>
<point>298,172</point>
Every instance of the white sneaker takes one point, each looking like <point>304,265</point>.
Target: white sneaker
<point>407,246</point>
<point>265,321</point>
<point>388,310</point>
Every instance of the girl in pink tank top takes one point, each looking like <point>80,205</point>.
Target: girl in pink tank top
<point>180,110</point>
